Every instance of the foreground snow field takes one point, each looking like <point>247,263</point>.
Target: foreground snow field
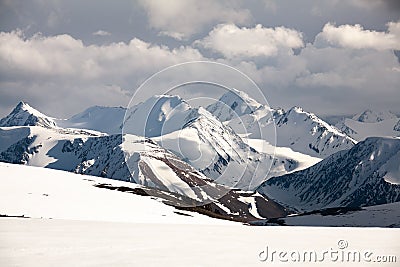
<point>45,193</point>
<point>73,223</point>
<point>43,242</point>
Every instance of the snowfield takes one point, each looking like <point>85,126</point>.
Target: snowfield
<point>45,193</point>
<point>35,242</point>
<point>74,223</point>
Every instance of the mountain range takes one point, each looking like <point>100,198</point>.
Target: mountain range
<point>235,159</point>
<point>369,124</point>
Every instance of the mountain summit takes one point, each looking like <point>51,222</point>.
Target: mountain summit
<point>372,116</point>
<point>232,104</point>
<point>25,115</point>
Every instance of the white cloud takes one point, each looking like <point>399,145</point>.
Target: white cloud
<point>101,33</point>
<point>62,67</point>
<point>63,55</point>
<point>328,78</point>
<point>232,41</point>
<point>356,37</point>
<point>182,18</point>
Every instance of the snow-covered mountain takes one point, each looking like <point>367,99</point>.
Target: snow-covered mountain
<point>372,116</point>
<point>24,115</point>
<point>369,124</point>
<point>193,160</point>
<point>368,174</point>
<point>103,119</point>
<point>132,159</point>
<point>224,155</point>
<point>306,133</point>
<point>232,104</point>
<point>158,115</point>
<point>219,153</point>
<point>203,141</point>
<point>297,129</point>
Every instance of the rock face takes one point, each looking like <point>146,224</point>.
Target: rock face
<point>397,126</point>
<point>368,174</point>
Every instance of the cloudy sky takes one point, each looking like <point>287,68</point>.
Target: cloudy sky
<point>328,56</point>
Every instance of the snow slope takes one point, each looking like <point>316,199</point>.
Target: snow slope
<point>34,145</point>
<point>45,193</point>
<point>303,161</point>
<point>365,175</point>
<point>35,242</point>
<point>103,119</point>
<point>373,116</point>
<point>361,130</point>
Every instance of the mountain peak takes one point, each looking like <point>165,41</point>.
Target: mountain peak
<point>297,109</point>
<point>233,103</point>
<point>371,116</point>
<point>305,132</point>
<point>24,106</point>
<point>25,115</point>
<point>158,115</point>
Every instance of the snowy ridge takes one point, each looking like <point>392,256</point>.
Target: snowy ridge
<point>103,119</point>
<point>158,115</point>
<point>232,104</point>
<point>306,133</point>
<point>296,129</point>
<point>219,153</point>
<point>352,178</point>
<point>361,130</point>
<point>370,116</point>
<point>199,138</point>
<point>94,119</point>
<point>25,115</point>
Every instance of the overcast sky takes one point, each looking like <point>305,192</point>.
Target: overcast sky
<point>329,57</point>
